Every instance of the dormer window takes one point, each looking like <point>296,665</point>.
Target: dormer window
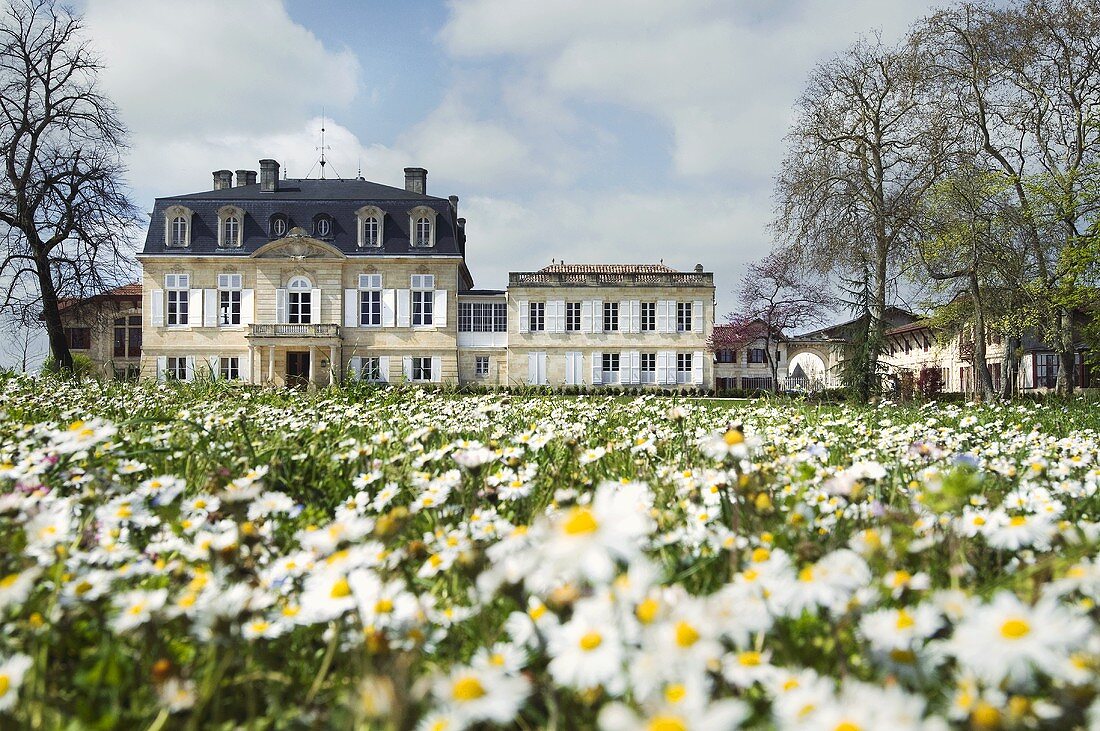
<point>230,219</point>
<point>177,227</point>
<point>370,219</point>
<point>279,226</point>
<point>422,227</point>
<point>322,226</point>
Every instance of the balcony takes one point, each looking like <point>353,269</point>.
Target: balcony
<point>610,279</point>
<point>266,330</point>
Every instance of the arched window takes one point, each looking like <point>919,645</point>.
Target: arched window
<point>299,301</point>
<point>423,232</point>
<point>322,227</point>
<point>370,232</point>
<point>232,236</point>
<point>179,231</point>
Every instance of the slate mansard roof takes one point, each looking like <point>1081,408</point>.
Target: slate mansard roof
<point>302,200</point>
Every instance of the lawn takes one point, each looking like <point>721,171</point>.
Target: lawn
<point>211,556</point>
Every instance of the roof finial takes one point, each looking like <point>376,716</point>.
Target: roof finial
<point>322,148</point>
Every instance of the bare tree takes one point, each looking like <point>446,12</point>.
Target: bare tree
<point>775,296</point>
<point>866,144</point>
<point>25,343</point>
<point>63,207</point>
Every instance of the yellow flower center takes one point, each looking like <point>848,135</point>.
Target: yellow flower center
<point>580,521</point>
<point>760,555</point>
<point>1017,521</point>
<point>340,589</point>
<point>666,723</point>
<point>901,578</point>
<point>467,688</point>
<point>5,683</point>
<point>8,581</point>
<point>537,611</point>
<point>985,716</point>
<point>847,726</point>
<point>686,635</point>
<point>749,658</point>
<point>733,437</point>
<point>647,611</point>
<point>675,693</point>
<point>905,620</point>
<point>590,641</point>
<point>806,574</point>
<point>260,627</point>
<point>383,606</point>
<point>1015,629</point>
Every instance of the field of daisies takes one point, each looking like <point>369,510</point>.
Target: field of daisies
<point>208,556</point>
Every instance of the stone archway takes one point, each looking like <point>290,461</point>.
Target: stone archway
<point>811,365</point>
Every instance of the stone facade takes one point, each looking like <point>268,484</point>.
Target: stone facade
<point>107,329</point>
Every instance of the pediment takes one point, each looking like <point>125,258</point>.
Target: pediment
<point>297,247</point>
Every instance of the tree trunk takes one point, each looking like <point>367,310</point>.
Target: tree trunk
<point>1067,363</point>
<point>876,327</point>
<point>983,388</point>
<point>1010,367</point>
<point>59,346</point>
<point>773,364</point>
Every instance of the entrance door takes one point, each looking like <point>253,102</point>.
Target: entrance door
<point>297,368</point>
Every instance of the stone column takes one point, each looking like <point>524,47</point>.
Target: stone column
<point>251,364</point>
<point>332,364</point>
<point>313,364</point>
<point>271,364</point>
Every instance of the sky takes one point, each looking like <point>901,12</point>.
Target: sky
<point>589,131</point>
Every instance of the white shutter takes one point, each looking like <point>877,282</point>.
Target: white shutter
<point>624,316</point>
<point>439,314</point>
<point>697,368</point>
<point>556,315</point>
<point>542,368</point>
<point>351,308</point>
<point>586,316</point>
<point>570,364</point>
<point>356,366</point>
<point>597,368</point>
<point>437,369</point>
<point>388,317</point>
<point>407,367</point>
<point>190,374</point>
<point>532,368</point>
<point>314,306</point>
<point>384,368</point>
<point>662,318</point>
<point>248,364</point>
<point>662,363</point>
<point>280,306</point>
<point>524,310</point>
<point>578,369</point>
<point>697,324</point>
<point>632,366</point>
<point>248,307</point>
<point>215,369</point>
<point>210,308</point>
<point>194,311</point>
<point>404,304</point>
<point>597,316</point>
<point>162,365</point>
<point>156,310</point>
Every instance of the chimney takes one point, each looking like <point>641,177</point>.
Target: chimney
<point>246,177</point>
<point>223,179</point>
<point>454,203</point>
<point>269,176</point>
<point>416,180</point>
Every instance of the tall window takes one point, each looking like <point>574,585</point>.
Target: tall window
<point>371,369</point>
<point>683,317</point>
<point>229,299</point>
<point>422,369</point>
<point>177,368</point>
<point>179,231</point>
<point>726,356</point>
<point>370,232</point>
<point>648,367</point>
<point>683,367</point>
<point>610,368</point>
<point>482,317</point>
<point>177,293</point>
<point>758,355</point>
<point>1046,370</point>
<point>573,316</point>
<point>79,338</point>
<point>423,299</point>
<point>536,316</point>
<point>299,301</point>
<point>649,316</point>
<point>610,316</point>
<point>231,235</point>
<point>230,367</point>
<point>423,235</point>
<point>370,300</point>
<point>127,337</point>
<point>481,365</point>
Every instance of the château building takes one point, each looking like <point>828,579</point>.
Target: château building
<point>296,281</point>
